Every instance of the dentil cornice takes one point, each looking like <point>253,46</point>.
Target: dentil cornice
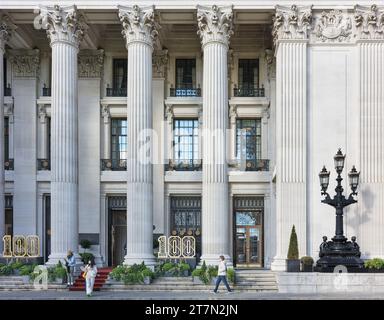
<point>214,24</point>
<point>90,63</point>
<point>63,24</point>
<point>292,22</point>
<point>139,24</point>
<point>6,30</point>
<point>333,26</point>
<point>25,63</point>
<point>369,22</point>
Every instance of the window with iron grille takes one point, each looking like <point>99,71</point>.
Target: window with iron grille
<point>119,74</point>
<point>248,139</point>
<point>186,73</point>
<point>248,73</point>
<point>119,140</point>
<point>186,139</point>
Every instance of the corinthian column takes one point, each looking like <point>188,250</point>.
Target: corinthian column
<point>215,29</point>
<point>5,32</point>
<point>65,32</point>
<point>290,31</point>
<point>370,42</point>
<point>139,32</point>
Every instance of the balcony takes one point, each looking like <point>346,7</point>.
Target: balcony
<point>185,92</point>
<point>113,164</point>
<point>116,92</point>
<point>250,165</point>
<point>46,92</point>
<point>8,91</point>
<point>43,164</point>
<point>248,91</point>
<point>8,164</point>
<point>184,165</point>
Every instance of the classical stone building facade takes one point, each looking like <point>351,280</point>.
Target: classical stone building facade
<point>125,122</point>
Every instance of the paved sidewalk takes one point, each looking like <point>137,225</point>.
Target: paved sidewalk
<point>166,295</point>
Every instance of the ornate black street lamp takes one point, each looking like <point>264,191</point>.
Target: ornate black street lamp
<point>339,251</point>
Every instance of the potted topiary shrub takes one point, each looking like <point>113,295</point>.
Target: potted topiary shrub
<point>293,262</point>
<point>306,264</point>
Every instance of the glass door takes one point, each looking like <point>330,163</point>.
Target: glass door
<point>248,238</point>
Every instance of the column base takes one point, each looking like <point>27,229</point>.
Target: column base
<point>148,259</point>
<point>214,259</point>
<point>279,264</point>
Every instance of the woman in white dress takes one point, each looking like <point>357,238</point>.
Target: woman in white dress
<point>90,272</point>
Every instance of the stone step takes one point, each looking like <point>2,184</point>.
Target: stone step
<point>10,278</point>
<point>255,279</point>
<point>181,288</point>
<point>16,283</point>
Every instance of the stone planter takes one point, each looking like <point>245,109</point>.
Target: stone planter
<point>16,272</point>
<point>147,280</point>
<point>26,279</point>
<point>307,268</point>
<point>293,265</point>
<point>373,270</point>
<point>58,281</point>
<point>185,273</point>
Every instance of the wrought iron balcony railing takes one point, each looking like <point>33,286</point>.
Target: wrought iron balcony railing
<point>46,92</point>
<point>116,92</point>
<point>8,91</point>
<point>8,164</point>
<point>43,164</point>
<point>185,92</point>
<point>247,91</point>
<point>113,164</point>
<point>184,165</point>
<point>250,165</point>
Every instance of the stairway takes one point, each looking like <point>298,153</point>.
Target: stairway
<point>14,283</point>
<point>101,278</point>
<point>256,280</point>
<point>246,281</point>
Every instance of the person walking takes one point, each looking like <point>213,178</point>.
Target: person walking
<point>90,272</point>
<point>222,275</point>
<point>70,263</point>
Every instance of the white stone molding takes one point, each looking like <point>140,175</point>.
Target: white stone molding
<point>159,62</point>
<point>271,64</point>
<point>214,24</point>
<point>63,24</point>
<point>43,133</point>
<point>232,126</point>
<point>6,30</point>
<point>369,22</point>
<point>42,111</point>
<point>90,63</point>
<point>292,22</point>
<point>333,26</point>
<point>106,114</point>
<point>139,24</point>
<point>25,63</point>
<point>169,116</point>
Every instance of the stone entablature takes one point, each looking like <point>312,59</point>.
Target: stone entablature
<point>25,63</point>
<point>332,26</point>
<point>90,63</point>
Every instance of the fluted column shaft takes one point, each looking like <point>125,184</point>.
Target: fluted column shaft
<point>2,198</point>
<point>64,166</point>
<point>139,32</point>
<point>215,213</point>
<point>139,173</point>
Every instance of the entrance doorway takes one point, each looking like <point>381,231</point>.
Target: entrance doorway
<point>117,230</point>
<point>248,232</point>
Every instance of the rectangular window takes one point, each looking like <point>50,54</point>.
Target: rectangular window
<point>120,70</point>
<point>119,140</point>
<point>248,73</point>
<point>186,140</point>
<point>248,139</point>
<point>185,73</point>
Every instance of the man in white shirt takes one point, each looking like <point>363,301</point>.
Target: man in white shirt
<point>222,274</point>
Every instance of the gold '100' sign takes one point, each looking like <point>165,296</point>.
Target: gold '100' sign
<point>176,247</point>
<point>21,246</point>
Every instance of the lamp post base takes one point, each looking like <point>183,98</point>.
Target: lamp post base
<point>339,252</point>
